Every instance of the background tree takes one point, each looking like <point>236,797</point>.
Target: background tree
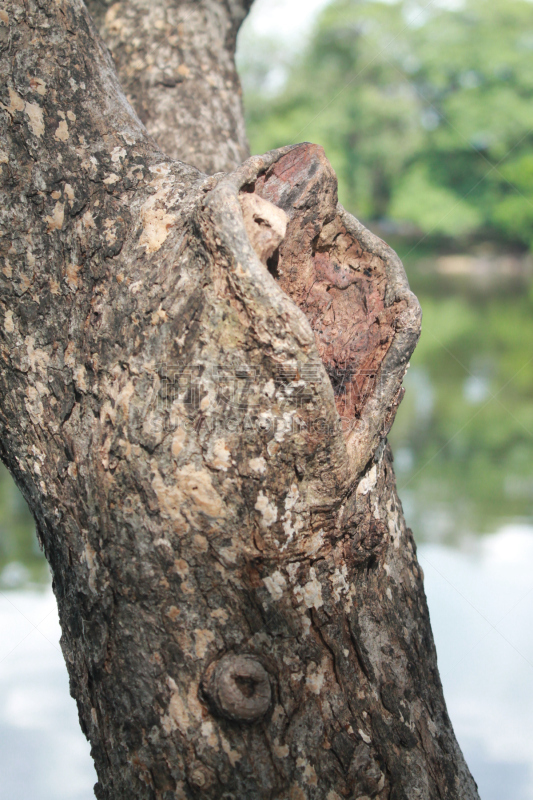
<point>429,113</point>
<point>198,376</point>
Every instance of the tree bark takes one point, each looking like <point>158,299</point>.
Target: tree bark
<point>197,378</point>
<point>175,62</point>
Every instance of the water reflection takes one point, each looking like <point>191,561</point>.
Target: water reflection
<point>482,616</point>
<point>43,753</point>
<point>463,437</point>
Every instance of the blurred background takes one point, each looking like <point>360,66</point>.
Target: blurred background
<point>425,110</point>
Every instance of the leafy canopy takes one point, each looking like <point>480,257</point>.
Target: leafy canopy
<point>425,112</point>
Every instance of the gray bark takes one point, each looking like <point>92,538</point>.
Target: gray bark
<point>175,62</point>
<point>197,378</point>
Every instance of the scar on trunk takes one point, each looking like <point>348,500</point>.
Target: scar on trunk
<point>338,283</point>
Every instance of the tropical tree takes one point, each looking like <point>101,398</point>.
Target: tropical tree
<point>198,374</point>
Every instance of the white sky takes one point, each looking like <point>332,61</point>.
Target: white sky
<point>287,19</point>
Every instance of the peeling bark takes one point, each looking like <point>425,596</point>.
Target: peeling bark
<point>197,378</point>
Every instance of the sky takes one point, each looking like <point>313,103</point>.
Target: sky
<point>287,19</point>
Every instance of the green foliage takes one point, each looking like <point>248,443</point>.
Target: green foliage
<point>425,112</point>
<point>18,542</point>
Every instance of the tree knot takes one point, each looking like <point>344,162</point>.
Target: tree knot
<point>238,688</point>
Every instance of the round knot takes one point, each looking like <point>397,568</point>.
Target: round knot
<point>238,687</point>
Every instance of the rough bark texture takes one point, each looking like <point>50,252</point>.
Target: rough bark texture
<point>197,376</point>
<point>175,61</point>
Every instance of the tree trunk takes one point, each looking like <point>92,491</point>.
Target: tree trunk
<point>197,378</point>
<point>175,62</point>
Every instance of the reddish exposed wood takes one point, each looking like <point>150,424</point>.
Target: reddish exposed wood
<point>340,285</point>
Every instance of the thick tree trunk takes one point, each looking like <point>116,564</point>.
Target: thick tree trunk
<point>197,378</point>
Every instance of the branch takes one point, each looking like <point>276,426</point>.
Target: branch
<point>175,60</point>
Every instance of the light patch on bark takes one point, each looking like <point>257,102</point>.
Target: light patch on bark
<point>181,568</point>
<point>159,316</point>
<point>34,113</point>
<point>136,286</point>
<point>221,458</point>
<point>316,676</point>
<point>284,426</point>
<point>193,703</point>
<point>72,276</point>
<point>34,405</point>
<point>88,220</point>
<point>16,103</point>
<point>258,465</point>
<point>38,85</point>
<point>61,133</point>
<point>309,774</point>
<point>219,614</point>
<point>156,223</point>
<point>124,397</point>
<point>289,529</point>
<point>153,429</point>
<point>367,483</point>
<point>89,557</point>
<point>55,222</point>
<point>170,498</point>
<point>173,613</point>
<point>37,359</point>
<point>270,388</point>
<point>265,224</point>
<point>364,736</point>
<point>69,357</point>
<point>292,496</point>
<point>178,440</point>
<point>197,487</point>
<point>9,325</point>
<point>208,732</point>
<point>233,755</point>
<point>311,593</point>
<point>268,511</point>
<point>339,583</point>
<point>200,543</point>
<point>117,154</point>
<point>280,750</point>
<point>297,793</point>
<point>79,378</point>
<point>178,715</point>
<point>275,584</point>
